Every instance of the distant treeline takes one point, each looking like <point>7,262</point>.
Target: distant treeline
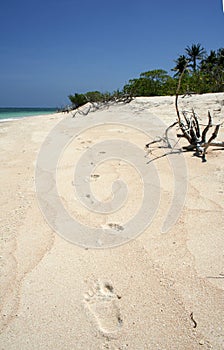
<point>203,73</point>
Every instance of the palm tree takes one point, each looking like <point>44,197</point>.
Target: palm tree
<point>220,57</point>
<point>195,52</point>
<point>181,65</point>
<point>209,62</point>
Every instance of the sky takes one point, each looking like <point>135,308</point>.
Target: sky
<point>50,49</point>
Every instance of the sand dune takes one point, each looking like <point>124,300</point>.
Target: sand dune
<point>152,289</point>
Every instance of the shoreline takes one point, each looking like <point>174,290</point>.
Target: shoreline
<point>154,100</point>
<point>8,114</point>
<point>32,117</point>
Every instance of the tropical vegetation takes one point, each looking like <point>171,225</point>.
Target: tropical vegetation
<point>202,72</point>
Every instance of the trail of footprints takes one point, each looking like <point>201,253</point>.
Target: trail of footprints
<point>101,301</point>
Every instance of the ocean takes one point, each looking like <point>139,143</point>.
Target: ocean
<point>17,113</point>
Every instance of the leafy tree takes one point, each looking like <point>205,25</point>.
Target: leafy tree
<point>94,96</point>
<point>156,75</point>
<point>78,99</point>
<point>138,87</point>
<point>150,83</point>
<point>170,86</point>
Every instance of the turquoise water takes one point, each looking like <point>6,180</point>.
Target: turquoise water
<point>16,113</point>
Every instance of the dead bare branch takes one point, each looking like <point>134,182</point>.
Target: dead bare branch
<point>191,130</point>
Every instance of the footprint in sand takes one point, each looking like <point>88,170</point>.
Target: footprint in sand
<point>102,303</point>
<point>113,226</point>
<point>116,227</point>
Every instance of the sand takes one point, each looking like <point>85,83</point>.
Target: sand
<point>159,290</point>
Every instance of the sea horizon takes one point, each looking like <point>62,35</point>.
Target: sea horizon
<point>13,113</point>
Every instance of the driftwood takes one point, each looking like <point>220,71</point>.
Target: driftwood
<point>93,106</point>
<point>188,127</point>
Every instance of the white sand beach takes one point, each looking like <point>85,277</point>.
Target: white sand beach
<point>158,290</point>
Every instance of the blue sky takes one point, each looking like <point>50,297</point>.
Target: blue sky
<point>52,48</point>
